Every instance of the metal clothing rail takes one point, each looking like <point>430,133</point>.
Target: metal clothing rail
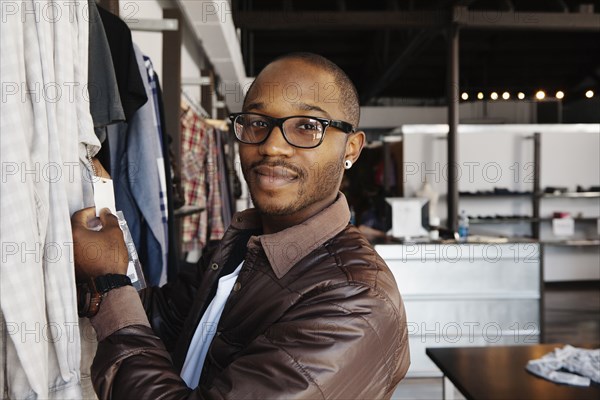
<point>194,105</point>
<point>152,25</point>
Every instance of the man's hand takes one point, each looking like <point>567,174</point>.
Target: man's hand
<point>98,252</point>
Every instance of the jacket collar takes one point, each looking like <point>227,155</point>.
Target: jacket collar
<point>285,248</point>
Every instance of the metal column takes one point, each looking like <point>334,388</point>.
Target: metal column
<point>171,70</point>
<point>452,93</point>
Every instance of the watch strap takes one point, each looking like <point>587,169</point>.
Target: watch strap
<point>105,283</point>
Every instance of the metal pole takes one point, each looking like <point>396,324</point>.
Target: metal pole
<point>452,93</point>
<point>535,225</point>
<point>171,69</point>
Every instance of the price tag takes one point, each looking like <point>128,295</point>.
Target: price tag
<point>563,226</point>
<point>104,195</point>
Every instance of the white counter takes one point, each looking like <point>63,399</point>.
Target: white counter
<point>466,295</point>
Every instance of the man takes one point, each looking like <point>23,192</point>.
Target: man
<point>294,302</point>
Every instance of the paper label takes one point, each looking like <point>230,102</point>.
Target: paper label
<point>134,268</point>
<point>104,195</point>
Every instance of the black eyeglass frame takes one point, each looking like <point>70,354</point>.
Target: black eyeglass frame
<point>344,126</point>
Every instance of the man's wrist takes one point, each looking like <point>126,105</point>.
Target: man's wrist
<point>91,293</point>
<point>120,308</point>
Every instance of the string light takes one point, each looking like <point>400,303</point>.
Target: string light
<point>465,96</point>
<point>494,96</point>
<point>589,94</point>
<point>480,96</point>
<point>506,95</point>
<point>521,95</point>
<point>560,94</point>
<point>540,95</point>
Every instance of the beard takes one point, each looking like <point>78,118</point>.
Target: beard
<point>311,188</point>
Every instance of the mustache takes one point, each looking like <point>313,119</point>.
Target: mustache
<point>279,163</point>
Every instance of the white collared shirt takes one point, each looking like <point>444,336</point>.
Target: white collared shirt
<point>206,330</point>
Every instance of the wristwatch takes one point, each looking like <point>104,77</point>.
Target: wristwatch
<point>90,293</point>
<point>108,282</point>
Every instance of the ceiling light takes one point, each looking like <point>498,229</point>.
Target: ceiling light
<point>506,95</point>
<point>521,95</point>
<point>480,96</point>
<point>589,94</point>
<point>560,94</point>
<point>540,95</point>
<point>494,96</point>
<point>465,96</point>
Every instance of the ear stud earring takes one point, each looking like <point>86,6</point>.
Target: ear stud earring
<point>347,164</point>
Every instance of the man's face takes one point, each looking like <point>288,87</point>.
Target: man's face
<point>285,180</point>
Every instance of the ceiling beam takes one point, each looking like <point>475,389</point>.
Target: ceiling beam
<point>523,20</point>
<point>369,20</point>
<point>417,44</point>
<point>336,20</point>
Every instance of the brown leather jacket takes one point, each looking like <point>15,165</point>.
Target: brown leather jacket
<point>315,314</point>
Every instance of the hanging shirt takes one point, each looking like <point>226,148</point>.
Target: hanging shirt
<point>131,87</point>
<point>105,102</point>
<point>206,330</point>
<point>144,156</point>
<point>194,152</point>
<point>162,173</point>
<point>200,177</point>
<point>46,130</point>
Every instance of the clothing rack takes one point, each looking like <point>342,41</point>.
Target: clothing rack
<point>172,28</point>
<point>153,25</point>
<point>194,105</point>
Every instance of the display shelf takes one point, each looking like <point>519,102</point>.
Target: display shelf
<point>576,219</point>
<point>491,195</point>
<point>570,195</point>
<point>509,219</point>
<point>496,220</point>
<point>572,243</point>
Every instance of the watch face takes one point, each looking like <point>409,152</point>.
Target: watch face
<point>88,300</point>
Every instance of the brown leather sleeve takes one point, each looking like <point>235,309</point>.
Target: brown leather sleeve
<point>120,308</point>
<point>329,346</point>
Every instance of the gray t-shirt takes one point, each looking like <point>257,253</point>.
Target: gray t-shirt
<point>105,102</point>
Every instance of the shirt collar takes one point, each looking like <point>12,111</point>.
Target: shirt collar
<point>285,248</point>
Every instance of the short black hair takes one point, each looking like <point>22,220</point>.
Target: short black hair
<point>348,96</point>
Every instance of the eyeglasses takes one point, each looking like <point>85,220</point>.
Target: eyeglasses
<point>300,131</point>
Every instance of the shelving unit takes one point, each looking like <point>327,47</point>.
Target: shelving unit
<point>537,196</point>
<point>562,156</point>
<point>533,219</point>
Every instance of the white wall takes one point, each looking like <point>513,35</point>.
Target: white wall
<point>149,42</point>
<point>191,64</point>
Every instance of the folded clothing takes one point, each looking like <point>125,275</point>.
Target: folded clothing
<point>582,365</point>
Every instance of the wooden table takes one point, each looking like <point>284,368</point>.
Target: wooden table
<point>499,373</point>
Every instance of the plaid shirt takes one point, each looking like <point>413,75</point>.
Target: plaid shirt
<point>200,180</point>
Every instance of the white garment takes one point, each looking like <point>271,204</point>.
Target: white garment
<point>45,124</point>
<point>205,332</point>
